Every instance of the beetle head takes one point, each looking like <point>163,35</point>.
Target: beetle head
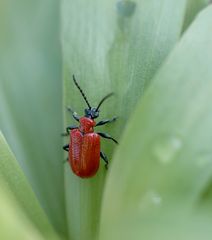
<point>92,112</point>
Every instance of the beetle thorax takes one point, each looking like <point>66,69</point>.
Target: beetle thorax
<point>86,125</point>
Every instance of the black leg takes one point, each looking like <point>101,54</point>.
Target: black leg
<point>65,161</point>
<point>68,130</point>
<point>104,157</point>
<point>105,135</point>
<point>74,114</point>
<point>66,147</point>
<point>103,122</point>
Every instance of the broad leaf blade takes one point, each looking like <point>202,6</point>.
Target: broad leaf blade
<point>110,46</point>
<point>15,183</point>
<point>13,223</point>
<point>162,225</point>
<point>164,161</point>
<point>30,98</point>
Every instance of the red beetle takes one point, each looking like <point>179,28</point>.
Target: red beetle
<point>84,147</point>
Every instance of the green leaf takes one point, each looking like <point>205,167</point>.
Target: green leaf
<point>163,165</point>
<point>13,223</point>
<point>30,98</point>
<point>110,46</point>
<point>193,8</point>
<point>163,225</point>
<point>14,182</point>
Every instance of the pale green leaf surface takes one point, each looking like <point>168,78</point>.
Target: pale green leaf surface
<point>163,164</point>
<point>13,223</point>
<point>110,46</point>
<point>30,98</point>
<point>162,226</point>
<point>15,183</point>
<point>192,9</point>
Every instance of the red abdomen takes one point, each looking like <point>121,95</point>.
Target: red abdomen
<point>84,153</point>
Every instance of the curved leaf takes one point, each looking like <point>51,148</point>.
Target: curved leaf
<point>14,182</point>
<point>110,46</point>
<point>192,9</point>
<point>13,224</point>
<point>30,98</point>
<point>163,164</point>
<point>162,226</point>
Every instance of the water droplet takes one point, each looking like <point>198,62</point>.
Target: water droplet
<point>156,198</point>
<point>151,198</point>
<point>125,8</point>
<point>166,148</point>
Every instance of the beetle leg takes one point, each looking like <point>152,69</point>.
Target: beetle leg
<point>103,122</point>
<point>105,159</point>
<point>65,161</point>
<point>66,147</point>
<point>105,135</point>
<point>68,129</point>
<point>74,114</point>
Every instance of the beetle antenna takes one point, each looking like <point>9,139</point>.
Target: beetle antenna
<point>103,99</point>
<point>82,93</point>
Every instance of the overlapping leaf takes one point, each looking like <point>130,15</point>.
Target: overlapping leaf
<point>14,186</point>
<point>111,46</point>
<point>161,170</point>
<point>30,98</point>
